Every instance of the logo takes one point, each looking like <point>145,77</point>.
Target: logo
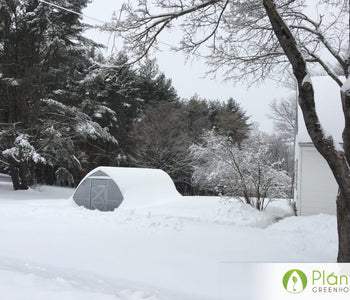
<point>294,281</point>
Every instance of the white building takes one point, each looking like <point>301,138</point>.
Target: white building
<point>315,187</point>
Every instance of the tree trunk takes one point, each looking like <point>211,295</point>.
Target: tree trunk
<point>343,217</point>
<point>20,174</point>
<point>338,161</point>
<point>24,174</point>
<point>15,177</point>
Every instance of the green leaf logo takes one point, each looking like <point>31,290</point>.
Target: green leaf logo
<point>294,281</point>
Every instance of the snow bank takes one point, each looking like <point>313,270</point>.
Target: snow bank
<point>5,178</point>
<point>221,210</point>
<point>51,248</point>
<point>35,193</point>
<point>26,282</point>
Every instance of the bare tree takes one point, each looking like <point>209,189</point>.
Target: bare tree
<point>256,39</point>
<point>283,114</point>
<point>160,140</point>
<point>248,170</point>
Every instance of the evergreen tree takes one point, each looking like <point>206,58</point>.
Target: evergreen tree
<point>197,120</point>
<point>109,96</point>
<point>43,57</point>
<point>154,87</point>
<point>230,120</point>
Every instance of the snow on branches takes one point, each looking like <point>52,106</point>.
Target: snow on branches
<point>245,170</point>
<point>77,122</point>
<point>21,160</point>
<point>23,150</point>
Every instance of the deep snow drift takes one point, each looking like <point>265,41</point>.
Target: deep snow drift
<point>52,249</point>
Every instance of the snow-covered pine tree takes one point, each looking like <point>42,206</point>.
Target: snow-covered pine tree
<point>71,139</point>
<point>110,95</point>
<point>43,55</point>
<point>115,94</point>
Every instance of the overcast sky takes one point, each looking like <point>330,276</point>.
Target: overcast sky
<point>187,78</point>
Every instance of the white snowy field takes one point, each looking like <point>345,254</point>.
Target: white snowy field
<point>52,249</point>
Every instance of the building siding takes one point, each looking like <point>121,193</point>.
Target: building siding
<point>316,187</point>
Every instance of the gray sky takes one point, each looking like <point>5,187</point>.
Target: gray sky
<point>187,78</point>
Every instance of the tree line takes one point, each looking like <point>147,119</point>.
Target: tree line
<point>258,39</point>
<point>66,109</point>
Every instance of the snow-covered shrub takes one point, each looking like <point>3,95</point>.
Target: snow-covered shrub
<point>23,150</point>
<point>21,161</point>
<point>244,170</point>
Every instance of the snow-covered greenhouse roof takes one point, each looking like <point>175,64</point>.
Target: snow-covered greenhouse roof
<point>329,110</point>
<point>105,188</point>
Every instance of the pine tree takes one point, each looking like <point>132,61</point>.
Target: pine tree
<point>43,57</point>
<point>110,96</point>
<point>153,85</point>
<point>230,120</point>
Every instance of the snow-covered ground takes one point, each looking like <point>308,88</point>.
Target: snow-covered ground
<point>52,249</point>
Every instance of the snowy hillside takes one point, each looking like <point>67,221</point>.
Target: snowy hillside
<point>52,249</point>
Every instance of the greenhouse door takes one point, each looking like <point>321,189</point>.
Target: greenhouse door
<point>98,194</point>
